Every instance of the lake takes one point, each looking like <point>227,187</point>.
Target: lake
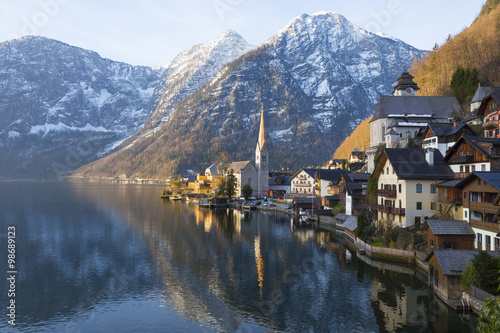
<point>117,258</point>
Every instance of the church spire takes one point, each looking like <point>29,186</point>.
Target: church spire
<point>262,132</point>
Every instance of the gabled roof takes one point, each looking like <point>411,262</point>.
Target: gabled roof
<point>481,144</point>
<point>214,168</point>
<point>492,178</point>
<point>355,181</point>
<point>437,106</point>
<point>351,223</point>
<point>411,164</point>
<point>446,129</point>
<point>239,165</point>
<point>453,262</point>
<point>495,94</point>
<point>480,93</point>
<point>332,175</point>
<point>342,217</point>
<point>450,227</point>
<point>280,180</point>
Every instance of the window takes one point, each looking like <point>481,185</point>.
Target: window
<point>479,182</point>
<point>419,188</point>
<point>419,205</point>
<point>483,167</point>
<point>479,238</point>
<point>387,170</point>
<point>497,243</point>
<point>433,205</point>
<point>432,243</point>
<point>465,213</point>
<point>417,220</point>
<point>383,171</point>
<point>433,188</point>
<point>461,169</point>
<point>488,242</point>
<point>473,168</point>
<point>399,188</point>
<point>465,195</point>
<point>449,245</point>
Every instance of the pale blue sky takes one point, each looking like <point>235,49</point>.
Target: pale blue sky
<point>153,32</point>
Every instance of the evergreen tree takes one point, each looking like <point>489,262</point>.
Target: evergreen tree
<point>464,83</point>
<point>360,227</point>
<point>247,191</point>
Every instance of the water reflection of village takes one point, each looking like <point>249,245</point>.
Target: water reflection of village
<point>233,269</point>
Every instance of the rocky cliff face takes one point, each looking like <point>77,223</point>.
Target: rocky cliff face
<point>315,80</point>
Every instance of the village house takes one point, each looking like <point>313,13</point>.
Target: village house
<point>206,182</point>
<point>445,269</point>
<point>472,117</point>
<point>324,177</point>
<point>481,209</point>
<point>302,182</point>
<point>406,114</point>
<point>352,192</point>
<point>489,110</point>
<point>356,156</point>
<point>443,136</point>
<point>279,185</point>
<point>449,234</point>
<point>407,180</point>
<point>472,153</point>
<point>449,200</point>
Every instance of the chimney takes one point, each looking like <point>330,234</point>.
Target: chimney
<point>429,156</point>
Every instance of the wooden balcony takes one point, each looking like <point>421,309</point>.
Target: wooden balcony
<point>461,174</point>
<point>490,226</point>
<point>490,124</point>
<point>398,211</point>
<point>392,210</point>
<point>483,207</point>
<point>382,208</point>
<point>387,193</point>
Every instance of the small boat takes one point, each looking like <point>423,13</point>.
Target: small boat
<point>176,198</point>
<point>249,205</point>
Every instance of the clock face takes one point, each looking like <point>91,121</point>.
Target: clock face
<point>408,90</point>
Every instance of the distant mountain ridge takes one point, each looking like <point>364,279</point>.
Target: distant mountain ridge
<point>63,106</point>
<point>315,80</point>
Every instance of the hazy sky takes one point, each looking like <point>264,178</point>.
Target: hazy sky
<point>153,32</point>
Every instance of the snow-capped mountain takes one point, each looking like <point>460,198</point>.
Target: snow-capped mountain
<point>60,103</point>
<point>56,99</point>
<point>315,80</point>
<point>194,67</point>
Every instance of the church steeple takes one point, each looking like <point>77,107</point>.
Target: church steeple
<point>262,159</point>
<point>262,132</point>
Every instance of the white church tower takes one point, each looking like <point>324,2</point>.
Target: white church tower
<point>262,160</point>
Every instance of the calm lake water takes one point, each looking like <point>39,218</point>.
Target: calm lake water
<point>116,258</point>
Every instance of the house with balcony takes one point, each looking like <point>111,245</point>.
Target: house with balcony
<point>449,200</point>
<point>480,192</point>
<point>352,191</point>
<point>473,153</point>
<point>302,182</point>
<point>442,136</point>
<point>407,181</point>
<point>489,111</point>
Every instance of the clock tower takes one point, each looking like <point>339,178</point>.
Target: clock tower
<point>262,160</point>
<point>406,86</point>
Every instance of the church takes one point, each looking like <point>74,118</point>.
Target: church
<point>257,175</point>
<point>246,172</point>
